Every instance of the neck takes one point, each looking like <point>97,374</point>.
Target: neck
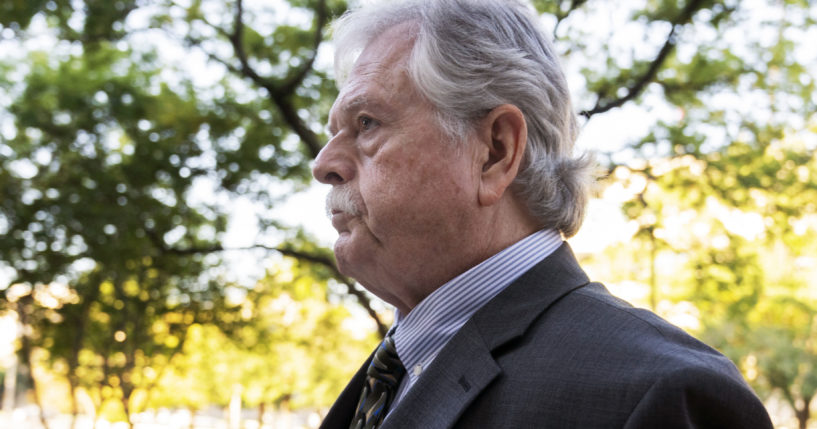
<point>497,227</point>
<point>508,223</point>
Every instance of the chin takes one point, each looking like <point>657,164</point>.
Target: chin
<point>357,253</point>
<point>345,261</point>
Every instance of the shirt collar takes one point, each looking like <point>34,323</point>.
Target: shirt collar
<point>420,335</point>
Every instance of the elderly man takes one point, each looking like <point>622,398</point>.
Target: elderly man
<point>453,184</point>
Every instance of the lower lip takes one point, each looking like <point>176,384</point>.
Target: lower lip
<point>340,220</point>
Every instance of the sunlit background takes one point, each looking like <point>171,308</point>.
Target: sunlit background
<point>165,258</point>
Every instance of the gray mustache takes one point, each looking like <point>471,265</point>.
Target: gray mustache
<point>341,198</point>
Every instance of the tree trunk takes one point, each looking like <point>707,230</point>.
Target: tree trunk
<point>261,415</point>
<point>802,418</point>
<point>284,412</point>
<point>10,385</point>
<point>36,388</point>
<point>27,350</point>
<point>192,416</point>
<point>72,391</point>
<point>73,360</point>
<point>126,408</point>
<point>234,412</point>
<point>803,414</point>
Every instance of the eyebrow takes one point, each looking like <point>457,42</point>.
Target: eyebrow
<point>363,101</point>
<point>358,103</point>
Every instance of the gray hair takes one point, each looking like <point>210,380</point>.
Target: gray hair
<point>471,56</point>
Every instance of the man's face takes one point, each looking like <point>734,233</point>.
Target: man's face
<point>410,191</point>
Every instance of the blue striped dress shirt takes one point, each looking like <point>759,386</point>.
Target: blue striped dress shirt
<point>420,335</point>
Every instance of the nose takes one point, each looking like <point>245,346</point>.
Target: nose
<point>333,166</point>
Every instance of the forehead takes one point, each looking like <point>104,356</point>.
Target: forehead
<point>380,72</point>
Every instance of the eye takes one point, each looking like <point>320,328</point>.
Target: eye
<point>365,123</point>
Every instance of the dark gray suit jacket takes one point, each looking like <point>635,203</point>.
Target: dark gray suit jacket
<point>555,351</point>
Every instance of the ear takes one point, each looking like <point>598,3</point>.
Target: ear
<point>503,134</point>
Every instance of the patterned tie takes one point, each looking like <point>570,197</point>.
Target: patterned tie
<point>382,379</point>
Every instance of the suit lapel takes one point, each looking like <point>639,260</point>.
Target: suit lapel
<point>448,385</point>
<point>466,365</point>
<point>510,313</point>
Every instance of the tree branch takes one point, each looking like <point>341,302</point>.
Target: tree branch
<point>321,16</point>
<point>288,112</point>
<point>236,39</point>
<point>574,4</point>
<point>290,115</point>
<point>280,96</point>
<point>641,83</point>
<point>351,285</point>
<point>322,260</point>
<point>366,302</point>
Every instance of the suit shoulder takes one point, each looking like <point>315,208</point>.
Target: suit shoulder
<point>598,294</point>
<point>598,320</point>
<point>592,360</point>
<point>696,396</point>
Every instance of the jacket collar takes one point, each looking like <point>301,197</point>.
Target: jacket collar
<point>452,381</point>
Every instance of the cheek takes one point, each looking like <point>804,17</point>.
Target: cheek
<point>413,194</point>
<point>405,178</point>
<point>387,191</point>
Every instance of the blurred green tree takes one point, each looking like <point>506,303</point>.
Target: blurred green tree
<point>118,171</point>
<point>745,256</point>
<point>282,357</point>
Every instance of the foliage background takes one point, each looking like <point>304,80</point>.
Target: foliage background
<point>138,138</point>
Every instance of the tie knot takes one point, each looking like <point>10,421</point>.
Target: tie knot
<point>386,365</point>
<point>382,380</point>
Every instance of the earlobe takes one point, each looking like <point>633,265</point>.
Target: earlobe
<point>505,134</point>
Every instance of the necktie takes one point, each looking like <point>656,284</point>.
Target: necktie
<point>382,379</point>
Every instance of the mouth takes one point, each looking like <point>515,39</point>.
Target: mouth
<point>340,220</point>
<point>342,207</point>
